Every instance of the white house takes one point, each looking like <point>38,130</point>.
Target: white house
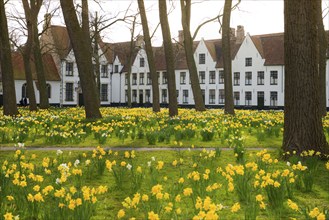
<point>56,42</point>
<point>257,71</point>
<point>52,76</point>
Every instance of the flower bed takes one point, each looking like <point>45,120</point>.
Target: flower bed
<point>162,185</point>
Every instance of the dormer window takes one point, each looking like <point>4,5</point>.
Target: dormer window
<point>69,68</point>
<point>142,62</point>
<point>202,58</point>
<point>116,68</point>
<point>104,72</point>
<point>248,61</point>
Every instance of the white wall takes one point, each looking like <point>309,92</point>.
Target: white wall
<point>75,79</point>
<point>248,50</point>
<point>55,88</point>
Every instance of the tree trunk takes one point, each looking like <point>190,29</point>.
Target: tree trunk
<point>226,45</point>
<point>173,110</point>
<point>129,82</point>
<point>81,44</point>
<point>96,56</point>
<point>8,83</point>
<point>189,53</point>
<point>302,122</point>
<point>322,59</point>
<point>130,61</point>
<point>28,75</point>
<point>97,67</point>
<point>43,90</point>
<point>150,57</point>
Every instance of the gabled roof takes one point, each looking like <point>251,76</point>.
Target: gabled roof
<point>215,49</point>
<point>62,41</point>
<point>51,72</point>
<point>120,50</point>
<point>270,47</point>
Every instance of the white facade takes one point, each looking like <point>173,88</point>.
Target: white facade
<point>257,86</point>
<point>53,88</point>
<point>255,83</point>
<point>71,93</point>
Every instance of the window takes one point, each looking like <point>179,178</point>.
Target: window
<point>49,90</point>
<point>236,96</point>
<point>104,92</point>
<point>274,99</point>
<point>126,79</point>
<point>126,95</point>
<point>147,95</point>
<point>134,81</point>
<point>69,92</point>
<point>69,68</point>
<point>164,78</point>
<point>212,77</point>
<point>212,96</point>
<point>248,98</point>
<point>116,68</point>
<point>185,96</point>
<point>182,78</point>
<point>202,58</point>
<point>221,96</point>
<point>274,78</point>
<point>248,78</point>
<point>164,95</point>
<point>260,78</point>
<point>248,61</point>
<point>148,81</point>
<point>141,78</point>
<point>236,79</point>
<point>141,62</point>
<point>221,77</point>
<point>104,72</point>
<point>202,77</point>
<point>134,97</point>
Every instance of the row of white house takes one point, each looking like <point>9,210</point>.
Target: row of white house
<point>257,71</point>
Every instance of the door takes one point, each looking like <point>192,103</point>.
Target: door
<point>260,100</point>
<point>81,103</point>
<point>141,97</point>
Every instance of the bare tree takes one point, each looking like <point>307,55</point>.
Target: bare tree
<point>81,44</point>
<point>9,93</point>
<point>28,49</point>
<point>227,60</point>
<point>130,60</point>
<point>150,57</point>
<point>189,53</point>
<point>34,9</point>
<point>323,45</point>
<point>95,53</point>
<point>173,110</point>
<point>303,129</point>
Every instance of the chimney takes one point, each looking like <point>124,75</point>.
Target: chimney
<point>239,34</point>
<point>47,22</point>
<point>180,36</point>
<point>139,41</point>
<point>232,34</point>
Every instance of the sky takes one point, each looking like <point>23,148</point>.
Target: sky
<point>257,17</point>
